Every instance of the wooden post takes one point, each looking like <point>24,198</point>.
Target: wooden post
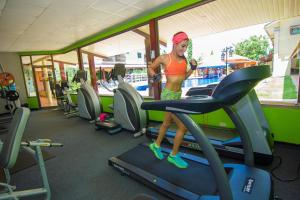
<point>93,72</point>
<point>154,51</point>
<point>80,61</point>
<point>62,70</point>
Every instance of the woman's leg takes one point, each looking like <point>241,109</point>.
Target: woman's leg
<point>163,128</point>
<point>174,157</point>
<point>181,130</point>
<point>155,146</point>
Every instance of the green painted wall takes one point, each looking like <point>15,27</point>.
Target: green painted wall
<point>33,102</point>
<point>74,98</point>
<point>106,101</point>
<point>284,122</point>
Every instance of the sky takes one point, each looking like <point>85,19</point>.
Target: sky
<point>216,42</point>
<point>203,46</point>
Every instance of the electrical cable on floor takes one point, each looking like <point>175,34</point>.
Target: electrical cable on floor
<point>281,179</point>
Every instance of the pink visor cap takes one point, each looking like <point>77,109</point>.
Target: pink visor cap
<point>177,38</point>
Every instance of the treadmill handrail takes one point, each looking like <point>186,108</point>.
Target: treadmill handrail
<point>245,138</point>
<point>190,105</point>
<point>199,91</point>
<point>229,91</point>
<point>237,84</point>
<point>211,155</point>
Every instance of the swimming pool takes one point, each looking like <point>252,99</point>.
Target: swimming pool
<point>191,82</point>
<point>194,82</point>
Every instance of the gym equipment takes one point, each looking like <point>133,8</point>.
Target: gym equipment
<point>203,179</point>
<point>64,99</point>
<point>193,67</point>
<point>8,90</point>
<point>87,99</point>
<point>208,90</point>
<point>156,78</point>
<point>126,106</point>
<point>9,154</point>
<point>10,95</point>
<point>60,96</point>
<point>6,79</point>
<point>249,110</point>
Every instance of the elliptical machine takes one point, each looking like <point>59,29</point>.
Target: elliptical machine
<point>87,99</point>
<point>64,100</point>
<point>126,106</point>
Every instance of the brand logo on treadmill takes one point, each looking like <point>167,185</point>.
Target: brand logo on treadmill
<point>121,169</point>
<point>248,186</point>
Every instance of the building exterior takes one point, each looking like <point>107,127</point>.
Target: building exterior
<point>285,36</point>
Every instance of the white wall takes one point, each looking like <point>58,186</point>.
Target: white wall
<point>12,64</point>
<point>288,42</point>
<point>284,45</point>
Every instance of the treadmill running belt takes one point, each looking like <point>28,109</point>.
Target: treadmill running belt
<point>197,178</point>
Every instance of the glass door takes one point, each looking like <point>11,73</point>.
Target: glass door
<point>45,82</point>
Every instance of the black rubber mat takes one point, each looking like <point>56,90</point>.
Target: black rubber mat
<point>197,178</point>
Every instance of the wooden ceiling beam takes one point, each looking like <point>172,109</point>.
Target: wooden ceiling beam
<point>146,35</point>
<point>94,54</point>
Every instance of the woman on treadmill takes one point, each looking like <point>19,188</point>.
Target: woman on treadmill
<point>175,68</point>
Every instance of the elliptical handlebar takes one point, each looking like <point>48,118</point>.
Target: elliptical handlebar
<point>105,86</point>
<point>116,74</point>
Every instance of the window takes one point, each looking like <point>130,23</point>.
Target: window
<point>44,77</point>
<point>66,66</point>
<point>128,48</point>
<point>139,55</point>
<point>224,41</point>
<point>86,67</point>
<point>28,75</point>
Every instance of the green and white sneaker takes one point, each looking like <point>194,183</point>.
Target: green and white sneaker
<point>177,161</point>
<point>156,150</point>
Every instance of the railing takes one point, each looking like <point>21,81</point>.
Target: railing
<point>133,78</point>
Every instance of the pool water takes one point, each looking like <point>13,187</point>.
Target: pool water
<point>191,82</point>
<point>194,82</point>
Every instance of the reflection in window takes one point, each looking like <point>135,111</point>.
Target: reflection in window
<point>66,66</point>
<point>221,46</point>
<point>28,75</point>
<point>128,48</point>
<point>44,79</point>
<point>86,67</point>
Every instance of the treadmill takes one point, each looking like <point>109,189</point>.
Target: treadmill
<point>205,179</point>
<point>249,110</point>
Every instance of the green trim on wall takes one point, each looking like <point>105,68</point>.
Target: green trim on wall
<point>33,102</point>
<point>118,28</point>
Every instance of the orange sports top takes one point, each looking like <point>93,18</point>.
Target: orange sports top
<point>175,68</point>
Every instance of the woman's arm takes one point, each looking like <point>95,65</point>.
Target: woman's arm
<point>188,73</point>
<point>193,64</point>
<point>155,65</point>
